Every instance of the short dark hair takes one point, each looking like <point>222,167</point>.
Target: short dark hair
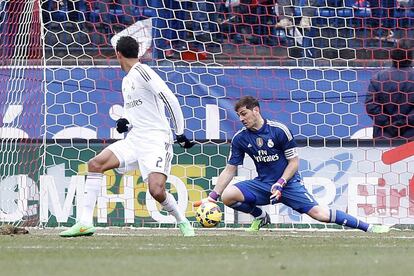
<point>248,101</point>
<point>402,54</point>
<point>128,47</point>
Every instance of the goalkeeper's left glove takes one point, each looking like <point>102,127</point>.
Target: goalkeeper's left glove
<point>276,190</point>
<point>183,141</point>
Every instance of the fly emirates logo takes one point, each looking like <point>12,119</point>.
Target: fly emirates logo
<point>262,156</point>
<point>133,103</point>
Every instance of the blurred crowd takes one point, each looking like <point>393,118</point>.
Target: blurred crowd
<point>240,18</point>
<point>261,22</point>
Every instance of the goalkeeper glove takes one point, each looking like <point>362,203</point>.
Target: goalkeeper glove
<point>122,125</point>
<point>276,190</point>
<point>212,197</point>
<point>184,142</point>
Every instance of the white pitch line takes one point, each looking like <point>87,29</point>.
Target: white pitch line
<point>203,232</point>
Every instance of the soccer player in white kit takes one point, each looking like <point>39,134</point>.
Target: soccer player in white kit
<point>148,144</point>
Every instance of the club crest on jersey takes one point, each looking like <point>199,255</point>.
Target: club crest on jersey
<point>259,141</point>
<point>270,143</point>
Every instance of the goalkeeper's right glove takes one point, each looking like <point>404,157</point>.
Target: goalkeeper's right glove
<point>276,190</point>
<point>212,197</point>
<point>122,125</point>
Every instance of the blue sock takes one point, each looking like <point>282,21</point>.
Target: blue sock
<point>247,208</point>
<point>345,219</point>
<point>248,205</point>
<point>256,212</point>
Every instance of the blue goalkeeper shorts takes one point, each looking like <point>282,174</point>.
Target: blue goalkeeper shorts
<point>294,194</point>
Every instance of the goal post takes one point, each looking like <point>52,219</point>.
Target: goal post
<point>61,95</point>
<point>21,101</point>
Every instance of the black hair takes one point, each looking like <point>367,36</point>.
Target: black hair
<point>402,54</point>
<point>128,47</point>
<point>248,101</point>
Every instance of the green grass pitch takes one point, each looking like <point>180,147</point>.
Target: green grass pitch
<point>126,251</point>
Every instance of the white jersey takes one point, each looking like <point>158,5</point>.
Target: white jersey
<point>145,98</point>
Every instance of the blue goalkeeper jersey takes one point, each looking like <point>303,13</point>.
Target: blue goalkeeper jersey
<point>270,147</point>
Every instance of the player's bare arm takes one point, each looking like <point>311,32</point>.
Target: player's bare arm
<point>291,168</point>
<point>224,179</point>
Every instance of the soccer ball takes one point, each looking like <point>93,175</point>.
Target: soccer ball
<point>208,214</point>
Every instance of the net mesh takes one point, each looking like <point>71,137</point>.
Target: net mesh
<point>61,84</point>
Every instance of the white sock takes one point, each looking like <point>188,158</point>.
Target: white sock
<point>171,206</point>
<point>370,228</point>
<point>92,188</point>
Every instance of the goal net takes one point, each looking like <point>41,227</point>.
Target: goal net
<point>61,95</point>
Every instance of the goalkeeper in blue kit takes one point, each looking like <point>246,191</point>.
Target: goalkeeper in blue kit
<point>273,149</point>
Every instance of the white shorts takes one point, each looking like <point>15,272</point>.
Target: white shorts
<point>150,155</point>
